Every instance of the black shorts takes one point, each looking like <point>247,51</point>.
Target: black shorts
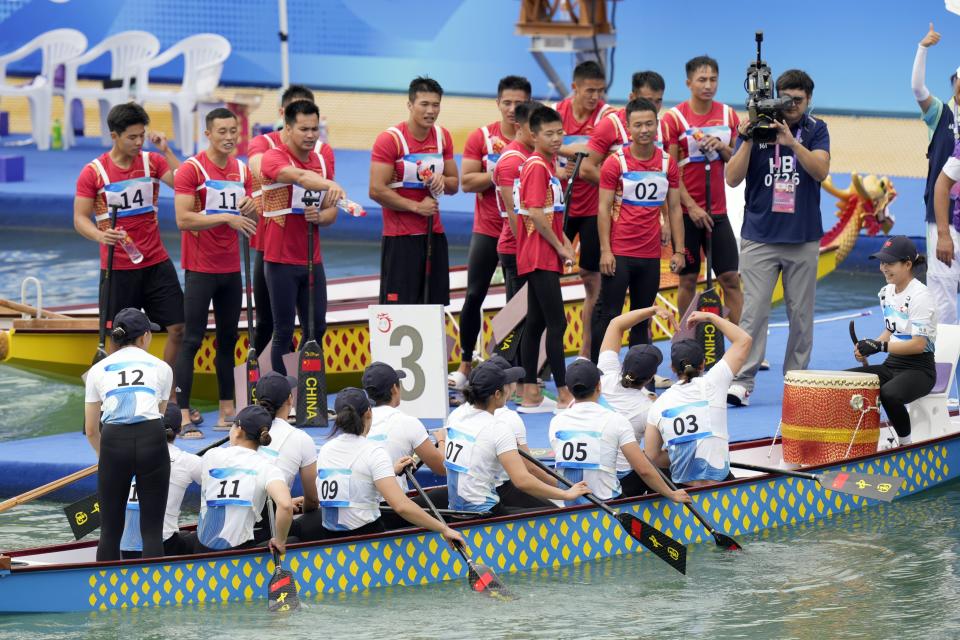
<point>402,268</point>
<point>726,257</point>
<point>155,289</point>
<point>589,241</point>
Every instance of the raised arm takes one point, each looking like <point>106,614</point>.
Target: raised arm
<point>740,340</point>
<point>918,77</point>
<point>613,338</point>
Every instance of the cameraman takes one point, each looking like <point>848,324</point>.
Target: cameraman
<point>781,226</point>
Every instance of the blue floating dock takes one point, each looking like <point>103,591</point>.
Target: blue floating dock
<point>33,462</point>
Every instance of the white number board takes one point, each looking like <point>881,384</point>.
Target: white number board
<point>413,338</point>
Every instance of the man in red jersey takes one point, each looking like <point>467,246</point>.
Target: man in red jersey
<point>635,182</point>
<point>292,174</point>
<point>701,130</point>
<point>480,157</point>
<point>213,203</point>
<point>581,112</point>
<point>129,177</point>
<point>411,166</point>
<point>542,250</point>
<point>255,150</point>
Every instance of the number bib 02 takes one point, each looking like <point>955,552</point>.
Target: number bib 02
<point>231,486</point>
<point>299,197</point>
<point>686,423</point>
<point>644,188</point>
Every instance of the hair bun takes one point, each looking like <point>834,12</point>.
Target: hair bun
<point>118,333</point>
<point>265,438</point>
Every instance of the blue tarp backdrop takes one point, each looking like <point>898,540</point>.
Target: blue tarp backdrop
<point>859,53</point>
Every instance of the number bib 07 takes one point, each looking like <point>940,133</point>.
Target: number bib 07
<point>231,486</point>
<point>459,451</point>
<point>686,423</point>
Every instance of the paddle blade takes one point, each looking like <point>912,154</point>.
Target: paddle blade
<point>868,485</point>
<point>84,515</point>
<point>662,545</point>
<point>311,386</point>
<point>282,590</point>
<point>483,580</point>
<point>726,542</point>
<point>510,345</point>
<point>253,375</point>
<point>708,335</point>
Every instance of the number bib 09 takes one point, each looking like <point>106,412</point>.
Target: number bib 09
<point>335,488</point>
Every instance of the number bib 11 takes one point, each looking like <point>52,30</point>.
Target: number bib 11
<point>686,423</point>
<point>231,486</point>
<point>223,196</point>
<point>133,501</point>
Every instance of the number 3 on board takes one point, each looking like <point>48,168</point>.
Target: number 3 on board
<point>412,338</point>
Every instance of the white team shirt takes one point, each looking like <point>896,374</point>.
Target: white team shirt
<point>506,415</point>
<point>633,404</point>
<point>586,441</point>
<point>347,468</point>
<point>474,442</point>
<point>130,383</point>
<point>912,312</point>
<point>233,490</point>
<point>952,168</point>
<point>399,434</point>
<point>184,469</point>
<point>692,419</point>
<point>291,449</point>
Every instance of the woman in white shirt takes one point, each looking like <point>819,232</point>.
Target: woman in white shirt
<point>292,450</point>
<point>127,392</point>
<point>184,470</point>
<point>687,425</point>
<point>482,450</point>
<point>236,482</point>
<point>353,473</point>
<point>909,333</point>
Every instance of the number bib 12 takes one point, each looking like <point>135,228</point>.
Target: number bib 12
<point>686,423</point>
<point>231,486</point>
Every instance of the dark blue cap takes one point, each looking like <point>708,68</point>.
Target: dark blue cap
<point>133,322</point>
<point>583,376</point>
<point>686,352</point>
<point>896,249</point>
<point>380,377</point>
<point>487,378</point>
<point>641,362</point>
<point>172,418</point>
<point>275,388</point>
<point>352,397</point>
<point>252,419</point>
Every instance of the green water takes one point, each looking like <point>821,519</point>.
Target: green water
<point>889,572</point>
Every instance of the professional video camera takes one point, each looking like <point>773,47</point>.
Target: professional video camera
<point>762,106</point>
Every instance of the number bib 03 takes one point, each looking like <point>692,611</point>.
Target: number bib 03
<point>686,423</point>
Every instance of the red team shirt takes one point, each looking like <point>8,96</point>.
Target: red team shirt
<point>486,212</point>
<point>635,230</point>
<point>504,174</point>
<point>612,133</point>
<point>142,228</point>
<point>533,252</point>
<point>260,145</point>
<point>214,250</point>
<point>388,150</point>
<point>583,198</point>
<point>285,237</point>
<point>694,173</point>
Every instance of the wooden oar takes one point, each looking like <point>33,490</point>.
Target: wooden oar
<point>50,487</point>
<point>282,588</point>
<point>662,545</point>
<point>868,485</point>
<point>25,308</point>
<point>108,285</point>
<point>482,579</point>
<point>722,539</point>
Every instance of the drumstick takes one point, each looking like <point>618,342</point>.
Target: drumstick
<point>853,337</point>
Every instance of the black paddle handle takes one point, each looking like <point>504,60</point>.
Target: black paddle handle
<point>271,516</point>
<point>428,261</point>
<point>407,471</point>
<point>709,209</point>
<point>107,282</point>
<point>782,472</point>
<point>213,446</point>
<point>559,478</point>
<point>579,156</point>
<point>696,512</point>
<point>245,244</point>
<point>310,288</point>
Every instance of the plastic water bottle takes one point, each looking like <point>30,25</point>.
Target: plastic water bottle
<point>56,135</point>
<point>131,248</point>
<point>324,133</point>
<point>426,174</point>
<point>355,209</point>
<point>698,135</point>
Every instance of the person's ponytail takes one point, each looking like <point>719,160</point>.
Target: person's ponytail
<point>267,404</point>
<point>347,421</point>
<point>265,438</point>
<point>119,337</point>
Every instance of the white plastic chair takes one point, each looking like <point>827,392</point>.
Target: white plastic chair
<point>56,47</point>
<point>203,58</point>
<point>929,417</point>
<point>128,50</point>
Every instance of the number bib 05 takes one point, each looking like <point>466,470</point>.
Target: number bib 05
<point>582,449</point>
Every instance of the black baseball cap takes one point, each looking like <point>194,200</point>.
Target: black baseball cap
<point>133,322</point>
<point>487,378</point>
<point>353,397</point>
<point>275,388</point>
<point>582,376</point>
<point>252,419</point>
<point>686,352</point>
<point>641,361</point>
<point>172,418</point>
<point>380,377</point>
<point>500,361</point>
<point>896,249</point>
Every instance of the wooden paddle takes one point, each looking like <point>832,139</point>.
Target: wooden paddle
<point>253,364</point>
<point>311,378</point>
<point>282,588</point>
<point>482,579</point>
<point>722,539</point>
<point>50,487</point>
<point>662,545</point>
<point>868,485</point>
<point>108,286</point>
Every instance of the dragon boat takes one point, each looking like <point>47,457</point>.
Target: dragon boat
<point>67,578</point>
